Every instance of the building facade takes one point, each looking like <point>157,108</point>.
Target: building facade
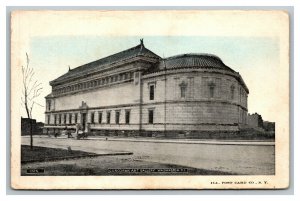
<point>31,126</point>
<point>255,120</point>
<point>136,92</point>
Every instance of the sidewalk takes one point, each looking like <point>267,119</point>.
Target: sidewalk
<point>178,141</point>
<point>188,141</point>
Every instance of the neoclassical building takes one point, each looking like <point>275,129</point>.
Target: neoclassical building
<point>136,92</point>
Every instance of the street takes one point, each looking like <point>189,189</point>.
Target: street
<point>234,159</point>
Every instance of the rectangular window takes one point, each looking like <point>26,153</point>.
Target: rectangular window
<point>211,91</point>
<point>151,92</point>
<point>127,116</point>
<point>117,117</point>
<point>151,116</point>
<point>76,117</point>
<point>108,117</point>
<point>100,117</point>
<point>70,118</point>
<point>182,91</point>
<point>59,119</point>
<point>55,119</point>
<point>48,119</point>
<point>65,118</point>
<point>92,117</point>
<point>232,92</point>
<point>49,105</point>
<point>182,94</point>
<point>183,86</point>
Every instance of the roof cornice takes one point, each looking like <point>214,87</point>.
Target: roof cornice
<point>139,58</point>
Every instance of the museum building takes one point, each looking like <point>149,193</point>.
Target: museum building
<point>136,92</point>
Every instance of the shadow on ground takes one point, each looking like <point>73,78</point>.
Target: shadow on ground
<point>97,165</point>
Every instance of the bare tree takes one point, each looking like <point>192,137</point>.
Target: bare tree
<point>31,89</point>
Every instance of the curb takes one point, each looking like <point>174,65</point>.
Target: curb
<point>241,143</point>
<point>188,142</point>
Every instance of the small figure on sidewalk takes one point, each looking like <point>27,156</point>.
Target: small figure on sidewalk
<point>69,149</point>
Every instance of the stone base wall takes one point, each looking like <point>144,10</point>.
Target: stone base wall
<point>245,134</point>
<point>233,135</point>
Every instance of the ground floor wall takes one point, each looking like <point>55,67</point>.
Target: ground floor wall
<point>177,117</point>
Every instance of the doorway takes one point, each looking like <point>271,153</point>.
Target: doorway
<point>83,121</point>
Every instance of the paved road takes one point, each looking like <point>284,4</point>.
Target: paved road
<point>240,159</point>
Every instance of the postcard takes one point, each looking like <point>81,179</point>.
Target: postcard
<point>150,99</point>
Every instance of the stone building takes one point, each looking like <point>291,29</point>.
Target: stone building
<point>31,124</point>
<point>269,126</point>
<point>255,120</point>
<point>136,92</point>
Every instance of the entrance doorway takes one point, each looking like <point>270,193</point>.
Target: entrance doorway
<point>83,121</point>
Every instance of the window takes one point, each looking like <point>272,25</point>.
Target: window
<point>76,117</point>
<point>100,117</point>
<point>211,89</point>
<point>49,105</point>
<point>117,117</point>
<point>55,119</point>
<point>59,119</point>
<point>182,89</point>
<point>127,116</point>
<point>108,117</point>
<point>65,118</point>
<point>92,117</point>
<point>151,114</point>
<point>70,118</point>
<point>151,94</point>
<point>232,92</point>
<point>48,119</point>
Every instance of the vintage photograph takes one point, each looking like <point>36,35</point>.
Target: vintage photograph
<point>158,95</point>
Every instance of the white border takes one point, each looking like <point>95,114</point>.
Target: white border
<point>154,2</point>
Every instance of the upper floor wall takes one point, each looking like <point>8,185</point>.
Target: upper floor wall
<point>193,86</point>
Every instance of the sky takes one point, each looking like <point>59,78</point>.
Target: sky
<point>52,56</point>
<point>255,44</point>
